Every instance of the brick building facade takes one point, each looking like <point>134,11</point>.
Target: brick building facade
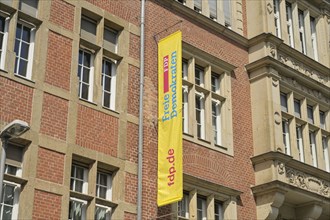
<point>71,70</point>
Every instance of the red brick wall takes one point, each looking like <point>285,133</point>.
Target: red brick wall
<point>97,131</point>
<point>50,165</point>
<point>62,14</point>
<point>233,172</point>
<point>59,58</point>
<point>46,206</point>
<point>15,101</point>
<point>130,188</point>
<point>129,216</point>
<point>54,116</point>
<point>133,90</point>
<point>132,142</point>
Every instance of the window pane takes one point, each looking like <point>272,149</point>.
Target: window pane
<point>16,49</point>
<point>107,84</point>
<point>88,25</point>
<point>26,34</point>
<point>85,78</point>
<point>80,56</point>
<point>24,50</point>
<point>102,179</point>
<point>110,35</point>
<point>100,213</point>
<point>18,31</point>
<point>284,102</point>
<point>106,99</point>
<point>22,67</point>
<point>76,210</point>
<point>84,91</point>
<point>8,197</point>
<point>297,108</point>
<point>87,59</point>
<point>310,114</point>
<point>2,24</point>
<point>7,213</point>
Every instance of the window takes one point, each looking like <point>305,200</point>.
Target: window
<point>199,76</point>
<point>216,121</point>
<point>4,22</point>
<point>289,23</point>
<point>183,206</point>
<point>108,84</point>
<point>29,6</point>
<point>277,18</point>
<point>77,209</point>
<point>326,153</point>
<point>201,208</point>
<point>78,179</point>
<point>85,74</point>
<point>218,211</point>
<point>200,115</point>
<point>286,136</point>
<point>302,31</point>
<point>284,102</point>
<point>198,5</point>
<point>310,115</point>
<point>313,148</point>
<point>111,39</point>
<point>104,185</point>
<point>182,1</point>
<point>102,213</point>
<point>227,12</point>
<point>322,119</point>
<point>9,201</point>
<point>215,83</point>
<point>300,143</point>
<point>88,25</point>
<point>185,118</point>
<point>297,109</point>
<point>313,38</point>
<point>184,70</point>
<point>213,9</point>
<point>24,47</point>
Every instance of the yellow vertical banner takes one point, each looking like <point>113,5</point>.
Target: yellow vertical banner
<point>170,178</point>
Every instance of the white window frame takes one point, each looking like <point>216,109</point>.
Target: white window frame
<point>314,38</point>
<point>112,88</point>
<point>325,147</point>
<point>183,206</point>
<point>217,127</point>
<point>289,24</point>
<point>185,106</point>
<point>17,190</point>
<point>108,187</point>
<point>108,211</point>
<point>201,98</point>
<point>83,208</point>
<point>277,18</point>
<point>91,76</point>
<point>215,87</point>
<point>313,151</point>
<point>286,136</point>
<point>85,179</point>
<point>4,41</point>
<point>300,143</point>
<point>202,209</point>
<point>302,31</point>
<point>30,53</point>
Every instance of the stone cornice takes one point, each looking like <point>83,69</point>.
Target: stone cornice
<point>205,21</point>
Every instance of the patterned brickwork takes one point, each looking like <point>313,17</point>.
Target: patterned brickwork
<point>62,14</point>
<point>132,142</point>
<point>133,90</point>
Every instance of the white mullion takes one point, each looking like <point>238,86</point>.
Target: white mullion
<point>4,43</point>
<point>326,153</point>
<point>300,144</point>
<point>109,187</point>
<point>277,18</point>
<point>288,7</point>
<point>91,78</point>
<point>185,109</point>
<point>113,86</point>
<point>313,148</point>
<point>19,49</point>
<point>30,54</point>
<point>85,181</point>
<point>302,31</point>
<point>286,137</point>
<point>218,121</point>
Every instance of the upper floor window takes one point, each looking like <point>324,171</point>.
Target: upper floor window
<point>104,185</point>
<point>201,208</point>
<point>302,31</point>
<point>297,109</point>
<point>218,211</point>
<point>314,38</point>
<point>312,144</point>
<point>24,48</point>
<point>213,9</point>
<point>78,181</point>
<point>300,143</point>
<point>198,5</point>
<point>108,84</point>
<point>215,82</point>
<point>284,102</point>
<point>85,74</point>
<point>110,38</point>
<point>286,136</point>
<point>77,209</point>
<point>183,206</point>
<point>184,70</point>
<point>4,22</point>
<point>185,119</point>
<point>310,114</point>
<point>102,213</point>
<point>199,76</point>
<point>88,25</point>
<point>326,153</point>
<point>200,115</point>
<point>322,119</point>
<point>9,201</point>
<point>289,23</point>
<point>216,121</point>
<point>227,13</point>
<point>29,7</point>
<point>277,18</point>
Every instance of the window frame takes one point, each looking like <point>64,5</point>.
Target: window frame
<point>311,119</point>
<point>108,211</point>
<point>84,207</point>
<point>202,209</point>
<point>325,149</point>
<point>185,107</point>
<point>84,180</point>
<point>30,53</point>
<point>284,97</point>
<point>218,207</point>
<point>314,38</point>
<point>313,148</point>
<point>4,45</point>
<point>300,143</point>
<point>90,83</point>
<point>286,136</point>
<point>277,16</point>
<point>113,79</point>
<point>201,124</point>
<point>183,206</point>
<point>302,34</point>
<point>289,23</point>
<point>108,187</point>
<point>217,127</point>
<point>15,206</point>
